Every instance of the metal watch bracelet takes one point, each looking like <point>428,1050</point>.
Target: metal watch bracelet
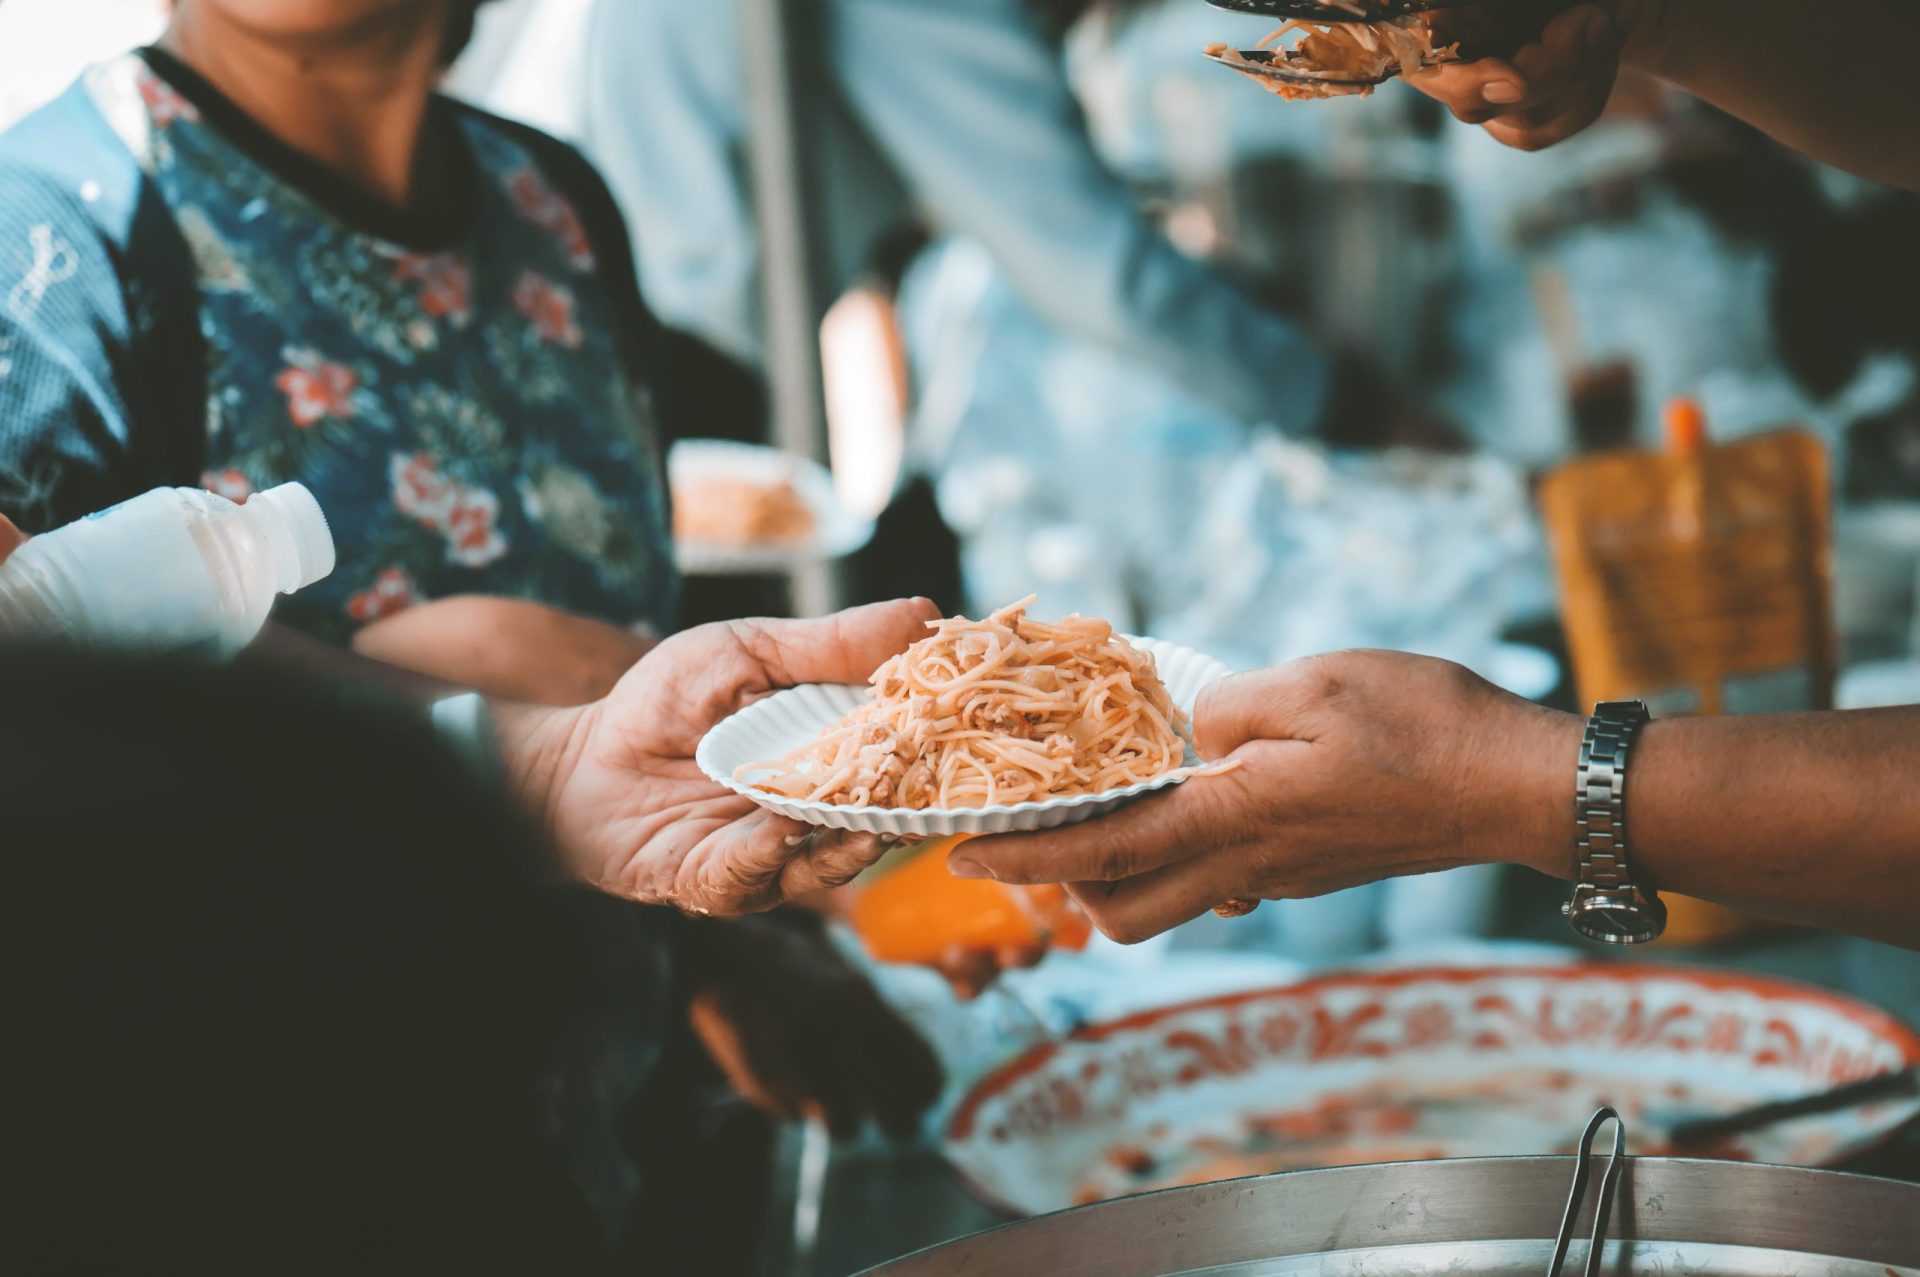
<point>1608,905</point>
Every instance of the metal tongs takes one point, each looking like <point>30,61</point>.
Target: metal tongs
<point>1603,1208</point>
<point>1281,64</point>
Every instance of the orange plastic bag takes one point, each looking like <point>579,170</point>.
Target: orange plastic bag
<point>915,911</point>
<point>1699,580</point>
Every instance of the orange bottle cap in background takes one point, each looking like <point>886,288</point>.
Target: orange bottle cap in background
<point>1686,426</point>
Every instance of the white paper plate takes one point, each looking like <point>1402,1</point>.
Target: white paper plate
<point>785,721</point>
<point>837,532</point>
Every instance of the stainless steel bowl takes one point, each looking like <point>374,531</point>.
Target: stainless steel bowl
<point>1482,1217</point>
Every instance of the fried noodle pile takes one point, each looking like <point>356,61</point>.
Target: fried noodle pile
<point>984,713</point>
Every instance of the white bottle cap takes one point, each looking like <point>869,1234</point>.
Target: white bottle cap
<point>303,553</point>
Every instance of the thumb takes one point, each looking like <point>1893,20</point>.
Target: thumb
<point>846,647</point>
<point>11,538</point>
<point>1266,705</point>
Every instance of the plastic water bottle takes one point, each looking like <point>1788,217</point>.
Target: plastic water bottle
<point>177,568</point>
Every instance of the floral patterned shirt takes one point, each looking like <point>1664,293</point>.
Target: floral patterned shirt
<point>461,391</point>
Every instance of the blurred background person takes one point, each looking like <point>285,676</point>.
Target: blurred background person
<point>986,139</point>
<point>436,327</point>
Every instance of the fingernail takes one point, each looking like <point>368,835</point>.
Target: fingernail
<point>1600,33</point>
<point>967,868</point>
<point>1502,92</point>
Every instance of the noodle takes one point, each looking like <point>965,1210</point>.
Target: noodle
<point>984,713</point>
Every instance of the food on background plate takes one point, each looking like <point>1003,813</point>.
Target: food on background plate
<point>1339,52</point>
<point>1408,1119</point>
<point>984,713</point>
<point>740,512</point>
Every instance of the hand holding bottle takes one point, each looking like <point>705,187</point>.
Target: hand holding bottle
<point>176,568</point>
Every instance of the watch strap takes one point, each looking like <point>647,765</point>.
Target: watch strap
<point>1600,812</point>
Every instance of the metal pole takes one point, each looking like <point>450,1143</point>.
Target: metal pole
<point>778,48</point>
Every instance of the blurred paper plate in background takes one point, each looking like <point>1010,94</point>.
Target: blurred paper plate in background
<point>770,729</point>
<point>1367,1067</point>
<point>835,532</point>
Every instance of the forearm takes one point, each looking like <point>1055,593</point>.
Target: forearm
<point>1811,818</point>
<point>507,648</point>
<point>280,645</point>
<point>1836,88</point>
<point>1021,177</point>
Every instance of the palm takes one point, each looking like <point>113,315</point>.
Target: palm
<point>640,819</point>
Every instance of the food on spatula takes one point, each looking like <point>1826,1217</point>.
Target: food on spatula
<point>1339,59</point>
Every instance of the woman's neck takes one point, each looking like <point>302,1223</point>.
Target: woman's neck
<point>356,102</point>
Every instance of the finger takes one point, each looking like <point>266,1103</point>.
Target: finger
<point>755,862</point>
<point>1157,831</point>
<point>1268,705</point>
<point>1571,119</point>
<point>1144,907</point>
<point>846,647</point>
<point>1474,91</point>
<point>1576,51</point>
<point>831,858</point>
<point>11,538</point>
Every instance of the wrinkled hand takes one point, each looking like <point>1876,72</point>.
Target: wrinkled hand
<point>630,810</point>
<point>802,1034</point>
<point>1553,87</point>
<point>1354,767</point>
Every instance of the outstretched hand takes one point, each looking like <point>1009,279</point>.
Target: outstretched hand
<point>1553,87</point>
<point>630,810</point>
<point>1353,767</point>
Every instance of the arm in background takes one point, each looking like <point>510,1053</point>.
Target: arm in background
<point>971,103</point>
<point>1816,80</point>
<point>1838,91</point>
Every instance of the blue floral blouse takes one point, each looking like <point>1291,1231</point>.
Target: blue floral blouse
<point>461,389</point>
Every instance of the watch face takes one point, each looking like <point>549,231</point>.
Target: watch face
<point>1618,919</point>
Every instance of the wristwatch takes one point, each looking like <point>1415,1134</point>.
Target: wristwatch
<point>1607,905</point>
